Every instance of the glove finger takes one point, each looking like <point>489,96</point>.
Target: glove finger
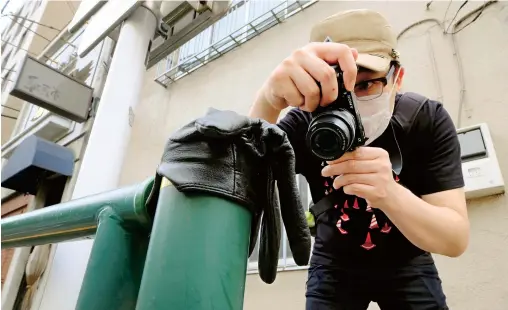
<point>269,244</point>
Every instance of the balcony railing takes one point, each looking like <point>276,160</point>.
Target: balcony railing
<point>244,21</point>
<point>147,254</point>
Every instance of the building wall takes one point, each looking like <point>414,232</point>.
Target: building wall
<point>15,41</point>
<point>476,280</point>
<point>32,28</point>
<point>55,47</point>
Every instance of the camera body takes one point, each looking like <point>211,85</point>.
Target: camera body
<point>337,128</point>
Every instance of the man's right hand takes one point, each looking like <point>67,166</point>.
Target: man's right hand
<point>294,81</point>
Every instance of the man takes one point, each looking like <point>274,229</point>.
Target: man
<point>375,243</point>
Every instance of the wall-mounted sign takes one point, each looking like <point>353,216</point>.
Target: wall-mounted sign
<point>52,90</point>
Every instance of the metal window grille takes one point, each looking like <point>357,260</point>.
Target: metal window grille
<point>245,20</point>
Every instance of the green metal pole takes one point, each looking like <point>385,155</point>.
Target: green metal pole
<point>197,256</point>
<point>76,218</point>
<point>114,270</point>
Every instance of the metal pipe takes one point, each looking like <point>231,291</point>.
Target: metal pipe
<point>197,256</point>
<point>76,218</point>
<point>114,276</point>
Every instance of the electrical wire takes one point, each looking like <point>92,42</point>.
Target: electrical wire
<point>30,53</point>
<point>5,5</point>
<point>458,58</point>
<point>423,21</point>
<point>18,47</point>
<point>8,116</point>
<point>456,13</point>
<point>70,7</point>
<point>7,107</point>
<point>437,23</point>
<point>30,20</point>
<point>28,28</point>
<point>446,12</point>
<point>473,20</point>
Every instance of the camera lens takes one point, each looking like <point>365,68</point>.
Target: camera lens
<point>326,140</point>
<point>331,134</point>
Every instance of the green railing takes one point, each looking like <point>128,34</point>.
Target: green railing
<point>185,252</point>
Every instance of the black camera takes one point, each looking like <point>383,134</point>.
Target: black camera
<point>337,128</point>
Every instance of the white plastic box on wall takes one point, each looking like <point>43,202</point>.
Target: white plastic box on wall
<point>482,174</point>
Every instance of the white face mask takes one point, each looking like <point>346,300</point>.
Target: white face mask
<point>375,113</point>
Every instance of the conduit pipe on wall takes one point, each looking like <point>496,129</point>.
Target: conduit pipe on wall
<point>437,23</point>
<point>459,60</point>
<point>456,54</point>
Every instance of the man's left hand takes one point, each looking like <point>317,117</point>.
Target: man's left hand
<point>367,173</point>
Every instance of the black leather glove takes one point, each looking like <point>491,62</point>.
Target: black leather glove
<point>242,159</point>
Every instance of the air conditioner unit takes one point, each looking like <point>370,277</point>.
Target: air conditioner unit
<point>182,21</point>
<point>482,174</point>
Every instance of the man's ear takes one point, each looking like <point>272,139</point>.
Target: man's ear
<point>400,78</point>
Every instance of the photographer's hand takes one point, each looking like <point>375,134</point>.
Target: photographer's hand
<point>366,173</point>
<point>435,222</point>
<point>294,82</point>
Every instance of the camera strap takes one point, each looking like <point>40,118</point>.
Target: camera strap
<point>407,108</point>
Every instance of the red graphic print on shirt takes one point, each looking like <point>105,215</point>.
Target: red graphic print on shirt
<point>347,214</point>
<point>386,229</point>
<point>355,204</point>
<point>339,226</point>
<point>373,222</point>
<point>344,216</point>
<point>368,245</point>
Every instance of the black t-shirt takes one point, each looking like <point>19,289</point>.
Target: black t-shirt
<point>353,233</point>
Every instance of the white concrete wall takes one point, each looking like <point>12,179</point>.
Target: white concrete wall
<point>475,281</point>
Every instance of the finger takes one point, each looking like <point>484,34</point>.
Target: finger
<point>308,87</point>
<point>348,179</point>
<point>292,95</point>
<point>351,166</point>
<point>360,190</point>
<point>355,53</point>
<point>361,153</point>
<point>323,73</point>
<point>334,53</point>
<point>286,89</point>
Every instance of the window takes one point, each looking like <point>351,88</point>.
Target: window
<point>244,20</point>
<point>285,256</point>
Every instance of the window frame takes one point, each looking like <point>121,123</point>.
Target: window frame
<point>287,263</point>
<point>237,35</point>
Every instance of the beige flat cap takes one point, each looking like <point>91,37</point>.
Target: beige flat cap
<point>367,31</point>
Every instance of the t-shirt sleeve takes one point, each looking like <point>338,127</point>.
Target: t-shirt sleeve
<point>443,170</point>
<point>295,124</point>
